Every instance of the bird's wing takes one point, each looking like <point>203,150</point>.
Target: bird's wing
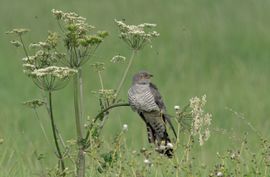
<point>161,105</point>
<point>157,97</point>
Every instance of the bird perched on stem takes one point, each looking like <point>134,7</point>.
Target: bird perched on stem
<point>145,99</point>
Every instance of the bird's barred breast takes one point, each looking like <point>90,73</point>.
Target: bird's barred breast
<point>141,98</point>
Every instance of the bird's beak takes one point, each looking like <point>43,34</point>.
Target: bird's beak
<point>151,75</point>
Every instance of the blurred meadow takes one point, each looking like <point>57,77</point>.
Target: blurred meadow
<point>218,48</point>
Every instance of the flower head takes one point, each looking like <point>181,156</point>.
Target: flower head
<point>52,77</point>
<point>118,59</point>
<point>136,36</point>
<point>147,161</point>
<point>19,31</point>
<point>34,103</point>
<point>16,43</point>
<point>177,108</point>
<point>54,71</point>
<point>77,35</point>
<point>125,127</point>
<point>107,94</point>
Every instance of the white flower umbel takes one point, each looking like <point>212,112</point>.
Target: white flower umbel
<point>136,36</point>
<point>72,18</point>
<point>28,68</point>
<point>55,71</point>
<point>118,59</point>
<point>52,77</point>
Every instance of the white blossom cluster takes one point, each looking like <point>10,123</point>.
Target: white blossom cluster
<point>201,120</point>
<point>72,18</point>
<point>118,59</point>
<point>78,40</point>
<point>136,36</point>
<point>18,31</point>
<point>54,71</point>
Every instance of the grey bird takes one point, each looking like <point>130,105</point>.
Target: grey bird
<point>145,99</point>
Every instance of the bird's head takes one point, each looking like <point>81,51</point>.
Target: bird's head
<point>142,77</point>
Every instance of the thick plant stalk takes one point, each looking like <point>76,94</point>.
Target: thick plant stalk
<point>78,119</point>
<point>60,156</point>
<point>81,91</point>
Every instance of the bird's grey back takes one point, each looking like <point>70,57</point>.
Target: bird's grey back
<point>141,98</point>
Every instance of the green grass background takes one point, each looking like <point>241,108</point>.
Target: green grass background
<point>218,48</point>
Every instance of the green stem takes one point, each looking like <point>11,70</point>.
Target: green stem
<point>77,107</point>
<point>108,108</point>
<point>101,81</point>
<point>48,110</point>
<point>101,113</point>
<point>125,73</point>
<point>24,48</point>
<point>61,160</point>
<point>187,150</point>
<point>42,127</point>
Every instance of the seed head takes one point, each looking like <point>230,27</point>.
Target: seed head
<point>147,161</point>
<point>177,108</point>
<point>125,127</point>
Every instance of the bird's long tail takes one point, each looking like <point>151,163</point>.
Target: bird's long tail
<point>163,143</point>
<point>168,119</point>
<point>157,133</point>
<point>165,147</point>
